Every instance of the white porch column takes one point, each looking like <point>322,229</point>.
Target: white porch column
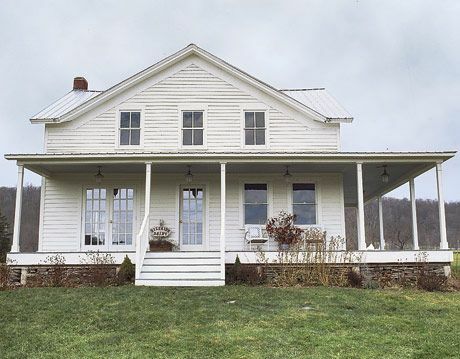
<point>382,233</point>
<point>442,211</point>
<point>18,210</point>
<point>361,227</point>
<point>148,184</point>
<point>222,217</point>
<point>414,214</point>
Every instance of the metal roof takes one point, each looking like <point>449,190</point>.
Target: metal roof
<point>65,104</point>
<point>321,101</point>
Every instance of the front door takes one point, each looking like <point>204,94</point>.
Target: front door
<point>192,217</point>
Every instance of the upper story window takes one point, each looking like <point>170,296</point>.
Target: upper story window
<point>255,203</point>
<point>254,128</point>
<point>304,203</point>
<point>130,128</point>
<point>192,128</point>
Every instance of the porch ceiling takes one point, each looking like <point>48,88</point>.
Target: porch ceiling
<point>401,166</point>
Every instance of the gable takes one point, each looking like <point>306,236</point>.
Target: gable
<point>192,85</point>
<point>168,63</point>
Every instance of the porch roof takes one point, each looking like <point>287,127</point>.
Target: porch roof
<point>401,166</point>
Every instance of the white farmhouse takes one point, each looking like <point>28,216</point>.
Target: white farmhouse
<point>213,152</point>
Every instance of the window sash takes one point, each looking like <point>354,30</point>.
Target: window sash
<point>306,209</point>
<point>255,209</point>
<point>192,128</point>
<point>254,128</point>
<point>130,128</point>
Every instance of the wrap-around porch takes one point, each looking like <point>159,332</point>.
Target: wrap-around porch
<point>218,190</point>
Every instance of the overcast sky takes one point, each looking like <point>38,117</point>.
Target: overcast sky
<point>394,65</point>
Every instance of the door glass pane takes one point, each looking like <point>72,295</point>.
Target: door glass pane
<point>122,227</point>
<point>192,216</point>
<point>95,217</point>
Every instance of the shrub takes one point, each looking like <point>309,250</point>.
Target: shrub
<point>100,267</point>
<point>355,279</point>
<point>371,284</point>
<point>431,282</point>
<point>57,276</point>
<point>283,230</point>
<point>249,274</point>
<point>127,272</point>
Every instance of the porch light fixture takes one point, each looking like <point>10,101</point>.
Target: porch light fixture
<point>287,176</point>
<point>99,176</point>
<point>385,176</point>
<point>189,175</point>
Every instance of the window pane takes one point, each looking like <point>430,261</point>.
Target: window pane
<point>255,213</point>
<point>249,137</point>
<point>249,119</point>
<point>255,193</point>
<point>135,119</point>
<point>305,213</point>
<point>124,137</point>
<point>124,120</point>
<point>198,119</point>
<point>260,137</point>
<point>260,119</point>
<point>197,137</point>
<point>135,137</point>
<point>187,140</point>
<point>303,193</point>
<point>187,119</point>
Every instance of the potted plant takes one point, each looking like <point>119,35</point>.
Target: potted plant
<point>282,229</point>
<point>159,241</point>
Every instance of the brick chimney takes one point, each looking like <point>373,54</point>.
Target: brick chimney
<point>80,83</point>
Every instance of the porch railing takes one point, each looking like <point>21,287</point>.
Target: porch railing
<point>141,245</point>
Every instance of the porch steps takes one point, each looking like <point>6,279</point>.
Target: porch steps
<point>181,269</point>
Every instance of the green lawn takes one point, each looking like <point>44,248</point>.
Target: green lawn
<point>263,322</point>
<point>456,265</point>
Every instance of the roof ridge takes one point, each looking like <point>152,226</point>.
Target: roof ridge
<point>304,89</point>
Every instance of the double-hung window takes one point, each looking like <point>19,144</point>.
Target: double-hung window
<point>254,128</point>
<point>192,128</point>
<point>130,128</point>
<point>304,203</point>
<point>255,203</point>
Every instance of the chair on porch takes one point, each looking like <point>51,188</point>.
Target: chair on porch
<point>256,235</point>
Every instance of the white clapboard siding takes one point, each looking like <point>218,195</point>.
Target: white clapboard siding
<point>62,212</point>
<point>161,101</point>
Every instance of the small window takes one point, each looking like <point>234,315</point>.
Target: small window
<point>95,216</point>
<point>304,203</point>
<point>254,128</point>
<point>192,128</point>
<point>255,203</point>
<point>130,128</point>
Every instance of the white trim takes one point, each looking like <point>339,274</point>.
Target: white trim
<point>41,215</point>
<point>441,207</point>
<point>360,214</point>
<point>192,107</point>
<point>414,214</point>
<point>127,108</point>
<point>15,245</point>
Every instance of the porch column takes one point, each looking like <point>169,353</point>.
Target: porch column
<point>222,217</point>
<point>414,214</point>
<point>382,234</point>
<point>18,210</point>
<point>442,211</point>
<point>361,227</point>
<point>148,184</point>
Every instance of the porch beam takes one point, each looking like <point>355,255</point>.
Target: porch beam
<point>414,214</point>
<point>222,217</point>
<point>361,227</point>
<point>382,232</point>
<point>18,210</point>
<point>442,211</point>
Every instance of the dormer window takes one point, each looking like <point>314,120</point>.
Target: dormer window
<point>192,128</point>
<point>130,128</point>
<point>254,128</point>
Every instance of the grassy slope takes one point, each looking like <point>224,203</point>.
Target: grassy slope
<point>456,265</point>
<point>198,322</point>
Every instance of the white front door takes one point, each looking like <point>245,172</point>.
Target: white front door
<point>192,200</point>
